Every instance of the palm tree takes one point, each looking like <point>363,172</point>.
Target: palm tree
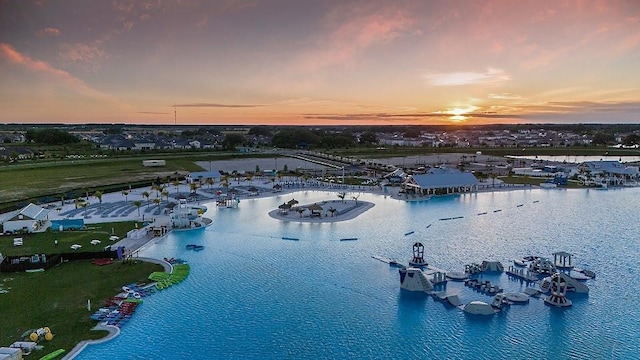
<point>98,195</point>
<point>146,195</point>
<point>342,196</point>
<point>157,201</point>
<point>164,193</point>
<point>84,205</point>
<point>176,183</point>
<point>356,198</point>
<point>126,194</point>
<point>137,204</point>
<point>332,210</point>
<point>157,188</point>
<point>493,176</point>
<point>209,181</point>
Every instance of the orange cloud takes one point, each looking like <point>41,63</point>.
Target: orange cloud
<point>12,55</point>
<point>491,75</point>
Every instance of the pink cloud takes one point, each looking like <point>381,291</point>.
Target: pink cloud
<point>352,31</point>
<point>9,53</point>
<point>49,31</point>
<point>81,53</point>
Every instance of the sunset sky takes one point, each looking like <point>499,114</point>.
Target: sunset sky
<point>319,62</point>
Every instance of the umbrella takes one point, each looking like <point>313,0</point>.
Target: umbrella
<point>314,207</point>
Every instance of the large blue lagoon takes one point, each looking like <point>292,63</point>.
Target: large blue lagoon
<point>253,295</point>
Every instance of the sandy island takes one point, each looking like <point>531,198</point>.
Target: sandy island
<point>323,211</point>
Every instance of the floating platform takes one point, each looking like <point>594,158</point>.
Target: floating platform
<point>522,274</point>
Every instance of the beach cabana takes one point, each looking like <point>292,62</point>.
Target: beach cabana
<point>316,210</point>
<point>284,208</point>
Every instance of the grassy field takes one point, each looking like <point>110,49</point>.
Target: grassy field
<point>59,178</point>
<point>29,181</point>
<point>44,242</point>
<point>57,298</point>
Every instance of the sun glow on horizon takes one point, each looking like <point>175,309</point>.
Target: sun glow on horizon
<point>458,113</point>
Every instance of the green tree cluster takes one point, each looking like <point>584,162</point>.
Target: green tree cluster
<point>51,137</point>
<point>292,138</point>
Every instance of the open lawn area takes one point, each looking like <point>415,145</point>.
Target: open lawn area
<point>43,243</point>
<point>52,179</point>
<point>57,298</point>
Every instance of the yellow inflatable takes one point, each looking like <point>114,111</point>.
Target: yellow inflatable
<point>33,337</point>
<point>47,330</point>
<point>48,336</point>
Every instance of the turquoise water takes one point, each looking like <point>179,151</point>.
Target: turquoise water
<point>253,295</point>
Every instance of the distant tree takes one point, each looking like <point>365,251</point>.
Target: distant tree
<point>232,140</point>
<point>631,139</point>
<point>368,137</point>
<point>260,131</point>
<point>412,133</point>
<point>292,138</point>
<point>125,193</point>
<point>113,130</point>
<point>50,137</point>
<point>342,195</point>
<point>601,138</point>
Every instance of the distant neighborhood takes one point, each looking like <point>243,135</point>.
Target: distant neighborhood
<point>16,145</point>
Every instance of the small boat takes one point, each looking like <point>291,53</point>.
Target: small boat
<point>198,248</point>
<point>191,246</point>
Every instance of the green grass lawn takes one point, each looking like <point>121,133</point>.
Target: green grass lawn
<point>58,178</point>
<point>30,180</point>
<point>43,243</point>
<point>57,298</point>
